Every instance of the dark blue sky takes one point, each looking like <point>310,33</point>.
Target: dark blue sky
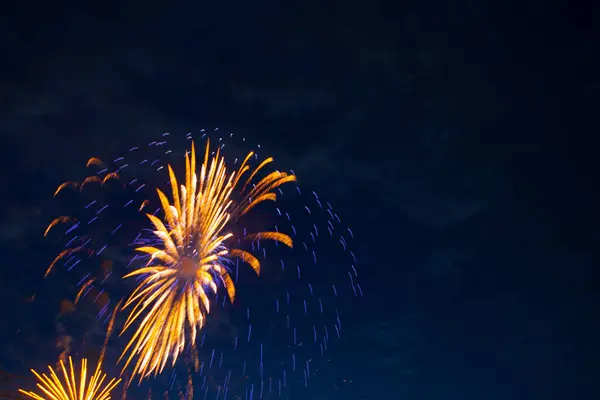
<point>458,139</point>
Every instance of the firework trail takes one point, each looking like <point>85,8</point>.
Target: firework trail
<point>69,388</point>
<point>236,270</point>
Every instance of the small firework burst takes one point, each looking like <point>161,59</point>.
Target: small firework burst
<point>69,388</point>
<point>258,330</point>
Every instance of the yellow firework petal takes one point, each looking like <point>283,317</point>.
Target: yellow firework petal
<point>169,215</point>
<point>228,285</point>
<point>277,236</point>
<point>110,176</point>
<point>199,291</point>
<point>90,179</point>
<point>270,182</point>
<point>146,270</point>
<point>253,174</point>
<point>174,190</point>
<point>243,168</point>
<point>156,254</point>
<point>82,290</point>
<point>191,314</point>
<point>138,297</point>
<point>247,258</point>
<point>109,331</point>
<point>64,253</point>
<point>263,197</point>
<point>211,247</point>
<point>143,205</point>
<point>56,221</point>
<point>64,185</point>
<point>94,161</point>
<point>146,297</point>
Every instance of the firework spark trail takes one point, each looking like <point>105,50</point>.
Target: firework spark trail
<point>55,389</point>
<point>301,292</point>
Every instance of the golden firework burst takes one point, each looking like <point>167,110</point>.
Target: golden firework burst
<point>54,388</point>
<point>189,258</point>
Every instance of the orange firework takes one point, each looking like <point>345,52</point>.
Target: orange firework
<point>184,267</point>
<point>55,389</point>
<point>190,254</point>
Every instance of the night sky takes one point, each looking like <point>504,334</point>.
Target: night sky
<point>458,140</point>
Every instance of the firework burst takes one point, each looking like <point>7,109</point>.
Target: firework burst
<point>192,252</point>
<point>244,334</point>
<point>68,388</point>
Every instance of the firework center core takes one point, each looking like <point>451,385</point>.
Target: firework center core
<point>188,268</point>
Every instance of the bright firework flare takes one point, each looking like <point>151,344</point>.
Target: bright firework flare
<point>55,389</point>
<point>190,254</point>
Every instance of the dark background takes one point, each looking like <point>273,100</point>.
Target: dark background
<point>458,139</point>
